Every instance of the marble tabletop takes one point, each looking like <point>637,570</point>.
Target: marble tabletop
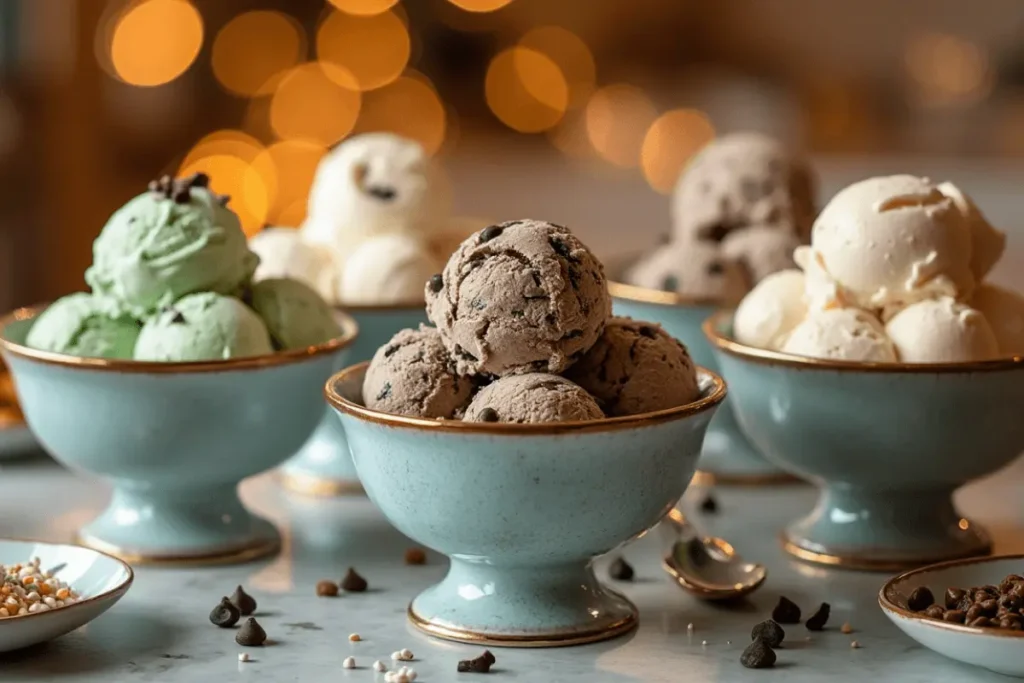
<point>159,631</point>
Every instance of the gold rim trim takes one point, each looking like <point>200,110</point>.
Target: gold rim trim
<point>889,605</point>
<point>712,328</point>
<point>707,478</point>
<point>620,290</point>
<point>255,549</point>
<point>714,397</point>
<point>553,639</point>
<point>115,592</point>
<point>319,487</point>
<point>350,329</point>
<point>861,563</point>
<point>400,307</point>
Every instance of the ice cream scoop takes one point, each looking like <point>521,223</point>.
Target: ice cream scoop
<point>203,326</point>
<point>533,397</point>
<point>694,269</point>
<point>389,269</point>
<point>1004,311</point>
<point>762,249</point>
<point>414,375</point>
<point>78,325</point>
<point>987,243</point>
<point>295,315</point>
<point>636,367</point>
<point>845,334</point>
<point>941,330</point>
<point>284,253</point>
<point>771,310</point>
<point>517,297</point>
<point>176,239</point>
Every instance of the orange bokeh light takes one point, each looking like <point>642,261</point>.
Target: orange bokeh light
<point>293,163</point>
<point>364,7</point>
<point>371,51</point>
<point>670,143</point>
<point>480,5</point>
<point>309,103</point>
<point>617,119</point>
<point>255,47</point>
<point>526,90</point>
<point>570,53</point>
<point>155,41</point>
<point>409,107</point>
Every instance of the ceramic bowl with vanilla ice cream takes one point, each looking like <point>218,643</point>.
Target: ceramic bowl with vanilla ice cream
<point>739,210</point>
<point>884,368</point>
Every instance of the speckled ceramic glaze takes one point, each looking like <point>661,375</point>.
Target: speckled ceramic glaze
<point>522,509</point>
<point>728,457</point>
<point>323,466</point>
<point>174,439</point>
<point>886,444</point>
<point>999,650</point>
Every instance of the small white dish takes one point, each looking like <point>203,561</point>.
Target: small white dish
<point>995,649</point>
<point>99,579</point>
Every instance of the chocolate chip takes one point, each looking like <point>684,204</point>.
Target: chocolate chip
<point>709,504</point>
<point>415,556</point>
<point>223,199</point>
<point>384,392</point>
<point>1018,590</point>
<point>353,583</point>
<point>199,179</point>
<point>770,632</point>
<point>954,616</point>
<point>1013,623</point>
<point>670,283</point>
<point>326,589</point>
<point>178,319</point>
<point>935,612</point>
<point>478,304</point>
<point>988,607</point>
<point>224,614</point>
<point>464,354</point>
<point>920,599</point>
<point>489,415</point>
<point>573,334</point>
<point>819,619</point>
<point>973,613</point>
<point>953,597</point>
<point>477,665</point>
<point>1010,602</point>
<point>562,249</point>
<point>620,570</point>
<point>391,350</point>
<point>490,232</point>
<point>758,655</point>
<point>251,634</point>
<point>715,268</point>
<point>436,283</point>
<point>648,331</point>
<point>786,612</point>
<point>385,194</point>
<point>516,313</point>
<point>1007,583</point>
<point>980,621</point>
<point>245,603</point>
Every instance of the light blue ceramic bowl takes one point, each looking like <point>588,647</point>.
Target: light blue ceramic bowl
<point>887,444</point>
<point>174,439</point>
<point>323,466</point>
<point>521,510</point>
<point>728,457</point>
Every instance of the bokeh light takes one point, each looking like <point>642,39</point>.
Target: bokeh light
<point>526,90</point>
<point>947,69</point>
<point>670,142</point>
<point>617,119</point>
<point>255,47</point>
<point>570,53</point>
<point>155,41</point>
<point>409,107</point>
<point>364,7</point>
<point>309,103</point>
<point>570,136</point>
<point>480,5</point>
<point>371,51</point>
<point>293,163</point>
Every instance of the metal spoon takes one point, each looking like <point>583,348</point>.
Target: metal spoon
<point>708,568</point>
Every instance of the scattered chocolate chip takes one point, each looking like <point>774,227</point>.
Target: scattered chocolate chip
<point>647,331</point>
<point>953,597</point>
<point>935,612</point>
<point>819,619</point>
<point>489,415</point>
<point>758,655</point>
<point>620,570</point>
<point>245,603</point>
<point>920,599</point>
<point>436,283</point>
<point>770,632</point>
<point>786,612</point>
<point>178,319</point>
<point>477,665</point>
<point>353,583</point>
<point>670,283</point>
<point>709,504</point>
<point>326,589</point>
<point>490,232</point>
<point>954,616</point>
<point>251,634</point>
<point>391,350</point>
<point>415,556</point>
<point>224,614</point>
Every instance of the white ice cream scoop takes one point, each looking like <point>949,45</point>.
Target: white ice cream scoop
<point>941,330</point>
<point>284,253</point>
<point>771,310</point>
<point>1004,311</point>
<point>987,243</point>
<point>841,334</point>
<point>389,269</point>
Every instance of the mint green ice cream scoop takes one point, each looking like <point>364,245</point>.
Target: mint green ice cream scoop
<point>77,325</point>
<point>296,315</point>
<point>203,326</point>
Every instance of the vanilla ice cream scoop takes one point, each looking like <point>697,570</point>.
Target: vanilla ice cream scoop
<point>987,243</point>
<point>847,334</point>
<point>284,254</point>
<point>1004,311</point>
<point>890,241</point>
<point>695,269</point>
<point>941,330</point>
<point>771,310</point>
<point>389,269</point>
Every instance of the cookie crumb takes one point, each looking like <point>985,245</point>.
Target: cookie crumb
<point>854,644</point>
<point>846,628</point>
<point>349,663</point>
<point>415,556</point>
<point>243,656</point>
<point>379,667</point>
<point>354,637</point>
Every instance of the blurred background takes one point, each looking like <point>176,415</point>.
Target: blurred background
<point>578,111</point>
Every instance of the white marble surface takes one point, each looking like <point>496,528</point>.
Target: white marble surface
<point>159,631</point>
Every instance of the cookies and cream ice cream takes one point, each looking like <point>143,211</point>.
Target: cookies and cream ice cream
<point>773,308</point>
<point>696,269</point>
<point>532,397</point>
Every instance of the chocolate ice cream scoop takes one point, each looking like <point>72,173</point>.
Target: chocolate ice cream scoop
<point>636,367</point>
<point>414,375</point>
<point>763,249</point>
<point>695,269</point>
<point>521,296</point>
<point>533,397</point>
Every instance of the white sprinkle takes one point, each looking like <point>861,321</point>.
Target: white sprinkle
<point>396,655</point>
<point>405,655</point>
<point>243,656</point>
<point>855,645</point>
<point>349,663</point>
<point>410,674</point>
<point>379,667</point>
<point>703,642</point>
<point>689,627</point>
<point>728,642</point>
<point>354,637</point>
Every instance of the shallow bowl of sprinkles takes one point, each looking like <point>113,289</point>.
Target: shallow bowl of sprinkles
<point>50,589</point>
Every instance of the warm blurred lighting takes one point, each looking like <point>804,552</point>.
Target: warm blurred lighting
<point>156,41</point>
<point>255,47</point>
<point>571,55</point>
<point>670,142</point>
<point>947,69</point>
<point>309,103</point>
<point>409,107</point>
<point>293,163</point>
<point>224,142</point>
<point>617,118</point>
<point>526,90</point>
<point>570,136</point>
<point>364,7</point>
<point>374,50</point>
<point>480,5</point>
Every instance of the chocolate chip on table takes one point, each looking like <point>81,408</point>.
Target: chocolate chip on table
<point>353,583</point>
<point>489,415</point>
<point>770,632</point>
<point>786,612</point>
<point>245,603</point>
<point>620,570</point>
<point>953,597</point>
<point>326,589</point>
<point>818,620</point>
<point>436,283</point>
<point>224,614</point>
<point>758,655</point>
<point>920,599</point>
<point>415,556</point>
<point>477,665</point>
<point>490,232</point>
<point>709,504</point>
<point>251,634</point>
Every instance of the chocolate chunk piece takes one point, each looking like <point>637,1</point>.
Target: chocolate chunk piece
<point>436,283</point>
<point>251,634</point>
<point>786,612</point>
<point>353,583</point>
<point>224,614</point>
<point>758,656</point>
<point>245,603</point>
<point>620,570</point>
<point>819,619</point>
<point>490,232</point>
<point>709,504</point>
<point>326,589</point>
<point>953,597</point>
<point>489,415</point>
<point>921,599</point>
<point>770,632</point>
<point>477,665</point>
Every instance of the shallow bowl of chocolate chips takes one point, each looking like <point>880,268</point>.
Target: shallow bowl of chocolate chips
<point>968,610</point>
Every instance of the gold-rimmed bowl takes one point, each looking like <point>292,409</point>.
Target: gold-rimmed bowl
<point>887,444</point>
<point>174,439</point>
<point>521,509</point>
<point>728,457</point>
